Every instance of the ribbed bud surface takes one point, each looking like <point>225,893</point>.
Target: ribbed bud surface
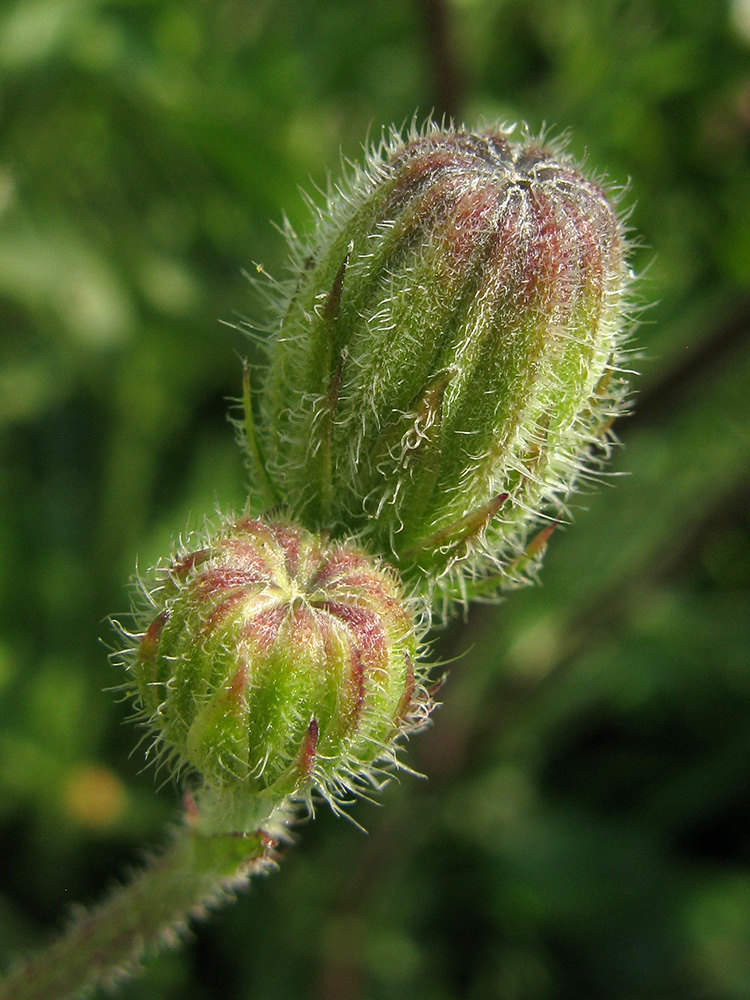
<point>447,360</point>
<point>276,663</point>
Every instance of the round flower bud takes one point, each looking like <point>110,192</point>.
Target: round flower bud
<point>276,664</point>
<point>448,355</point>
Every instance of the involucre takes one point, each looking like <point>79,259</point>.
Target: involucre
<point>447,357</point>
<point>272,663</point>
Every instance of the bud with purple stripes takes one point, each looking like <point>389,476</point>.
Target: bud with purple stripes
<point>274,664</point>
<point>448,359</point>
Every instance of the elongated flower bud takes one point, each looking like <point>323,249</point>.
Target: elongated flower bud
<point>447,359</point>
<point>275,664</point>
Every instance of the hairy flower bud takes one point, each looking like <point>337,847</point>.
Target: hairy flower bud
<point>276,664</point>
<point>447,357</point>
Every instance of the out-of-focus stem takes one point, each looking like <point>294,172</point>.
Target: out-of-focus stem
<point>194,874</point>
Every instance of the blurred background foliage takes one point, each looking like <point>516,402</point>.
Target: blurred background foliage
<point>585,829</point>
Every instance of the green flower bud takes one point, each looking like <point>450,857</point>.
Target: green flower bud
<point>276,664</point>
<point>448,354</point>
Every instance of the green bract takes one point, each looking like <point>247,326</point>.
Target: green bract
<point>275,664</point>
<point>447,359</point>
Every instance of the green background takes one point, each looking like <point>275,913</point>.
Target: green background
<point>585,827</point>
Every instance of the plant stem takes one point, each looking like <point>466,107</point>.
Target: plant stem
<point>195,873</point>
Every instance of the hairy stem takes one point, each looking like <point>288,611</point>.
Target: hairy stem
<point>195,873</point>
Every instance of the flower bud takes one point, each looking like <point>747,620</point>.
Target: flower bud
<point>276,663</point>
<point>447,357</point>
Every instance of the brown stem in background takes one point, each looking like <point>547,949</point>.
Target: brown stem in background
<point>446,75</point>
